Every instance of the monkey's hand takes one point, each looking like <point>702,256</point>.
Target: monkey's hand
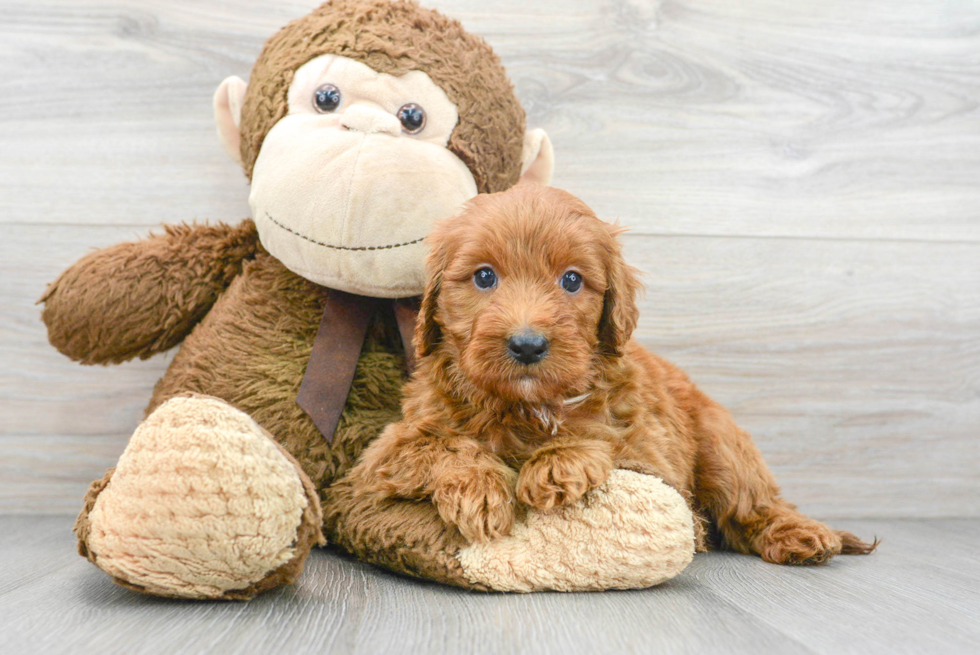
<point>138,299</point>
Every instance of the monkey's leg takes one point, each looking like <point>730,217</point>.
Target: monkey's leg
<point>631,532</point>
<point>202,504</point>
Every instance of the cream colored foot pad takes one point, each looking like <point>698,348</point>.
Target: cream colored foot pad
<point>201,502</point>
<point>632,532</point>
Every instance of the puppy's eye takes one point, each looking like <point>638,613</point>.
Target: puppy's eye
<point>485,278</point>
<point>571,281</point>
<point>412,118</point>
<point>326,98</point>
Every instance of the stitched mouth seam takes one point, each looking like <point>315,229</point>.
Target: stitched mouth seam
<point>333,247</point>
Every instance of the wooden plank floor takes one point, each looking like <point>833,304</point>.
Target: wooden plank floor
<point>917,594</point>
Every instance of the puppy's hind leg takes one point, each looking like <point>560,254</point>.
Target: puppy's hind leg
<point>736,487</point>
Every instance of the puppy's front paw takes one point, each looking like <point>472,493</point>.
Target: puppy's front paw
<point>560,475</point>
<point>479,502</point>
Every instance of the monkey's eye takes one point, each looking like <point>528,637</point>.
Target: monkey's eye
<point>412,118</point>
<point>571,281</point>
<point>326,98</point>
<point>485,278</point>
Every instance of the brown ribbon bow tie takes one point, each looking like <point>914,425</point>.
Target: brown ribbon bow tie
<point>336,349</point>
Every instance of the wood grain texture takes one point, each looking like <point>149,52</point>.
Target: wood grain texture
<point>698,117</point>
<point>917,594</point>
<point>800,180</point>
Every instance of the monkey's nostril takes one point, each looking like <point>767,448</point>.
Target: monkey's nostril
<point>358,118</point>
<point>528,347</point>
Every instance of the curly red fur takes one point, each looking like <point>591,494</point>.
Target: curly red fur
<point>481,429</point>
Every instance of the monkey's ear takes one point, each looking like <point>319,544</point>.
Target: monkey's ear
<point>538,160</point>
<point>228,101</point>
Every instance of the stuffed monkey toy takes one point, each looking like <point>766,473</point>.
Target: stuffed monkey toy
<point>362,123</point>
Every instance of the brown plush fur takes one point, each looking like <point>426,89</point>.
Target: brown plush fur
<point>251,350</point>
<point>482,431</point>
<point>139,299</point>
<point>404,536</point>
<point>395,38</point>
<point>248,347</point>
<point>246,324</point>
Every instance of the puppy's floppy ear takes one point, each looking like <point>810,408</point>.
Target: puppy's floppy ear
<point>428,333</point>
<point>620,312</point>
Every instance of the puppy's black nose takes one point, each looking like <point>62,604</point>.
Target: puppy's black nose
<point>528,347</point>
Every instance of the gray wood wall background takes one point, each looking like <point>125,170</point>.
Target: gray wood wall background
<point>802,180</point>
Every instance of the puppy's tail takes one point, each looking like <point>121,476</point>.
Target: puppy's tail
<point>851,545</point>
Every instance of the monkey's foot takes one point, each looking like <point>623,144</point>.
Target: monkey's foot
<point>202,504</point>
<point>631,532</point>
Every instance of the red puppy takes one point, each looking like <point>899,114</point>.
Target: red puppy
<point>529,388</point>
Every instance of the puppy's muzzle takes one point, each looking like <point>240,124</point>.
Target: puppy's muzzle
<point>528,347</point>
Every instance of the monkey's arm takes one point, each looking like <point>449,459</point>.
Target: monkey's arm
<point>138,299</point>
